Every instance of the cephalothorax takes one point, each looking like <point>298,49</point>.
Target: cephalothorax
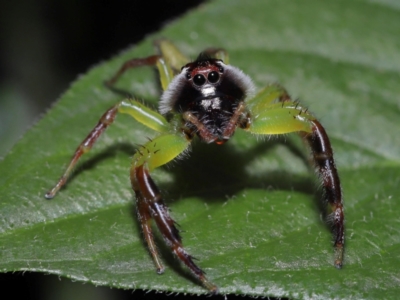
<point>210,99</point>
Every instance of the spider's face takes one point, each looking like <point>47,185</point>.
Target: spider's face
<point>208,89</point>
<point>206,86</point>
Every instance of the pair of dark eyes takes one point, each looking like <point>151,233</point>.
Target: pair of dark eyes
<point>200,79</point>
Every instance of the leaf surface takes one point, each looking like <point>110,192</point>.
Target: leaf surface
<point>249,208</point>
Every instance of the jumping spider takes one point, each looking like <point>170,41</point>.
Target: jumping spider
<point>210,99</point>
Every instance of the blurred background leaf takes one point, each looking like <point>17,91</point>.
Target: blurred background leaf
<point>248,210</point>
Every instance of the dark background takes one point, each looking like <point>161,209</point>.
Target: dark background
<point>44,45</point>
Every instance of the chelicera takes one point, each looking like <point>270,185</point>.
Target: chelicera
<point>210,99</point>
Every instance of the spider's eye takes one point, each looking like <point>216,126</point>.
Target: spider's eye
<point>199,80</point>
<point>188,76</point>
<point>221,69</point>
<point>213,77</point>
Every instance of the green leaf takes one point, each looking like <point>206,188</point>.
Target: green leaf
<point>248,208</point>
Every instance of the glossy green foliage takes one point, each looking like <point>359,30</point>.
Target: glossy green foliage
<point>248,208</point>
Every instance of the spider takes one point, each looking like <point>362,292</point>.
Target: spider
<point>210,99</point>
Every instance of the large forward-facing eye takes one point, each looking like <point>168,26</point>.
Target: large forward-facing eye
<point>213,77</point>
<point>199,80</point>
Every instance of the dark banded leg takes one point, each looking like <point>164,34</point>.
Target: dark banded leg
<point>270,117</point>
<point>322,153</point>
<point>150,202</point>
<point>323,158</point>
<point>144,217</point>
<point>133,63</point>
<point>84,147</point>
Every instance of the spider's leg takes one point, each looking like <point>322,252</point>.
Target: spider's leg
<point>137,110</point>
<point>325,164</point>
<point>151,204</point>
<point>133,63</point>
<point>230,127</point>
<point>287,116</point>
<point>171,54</point>
<point>266,97</point>
<point>144,217</point>
<point>234,120</point>
<point>166,73</point>
<point>168,62</point>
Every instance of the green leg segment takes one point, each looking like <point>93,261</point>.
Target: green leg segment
<point>279,118</point>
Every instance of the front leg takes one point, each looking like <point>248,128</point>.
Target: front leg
<point>151,205</point>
